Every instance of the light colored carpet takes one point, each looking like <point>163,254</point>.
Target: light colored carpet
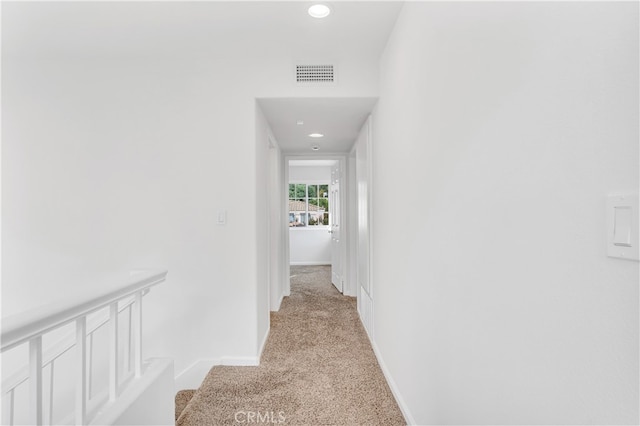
<point>317,368</point>
<point>182,399</point>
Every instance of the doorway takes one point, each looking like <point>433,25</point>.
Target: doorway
<point>318,129</point>
<point>315,214</point>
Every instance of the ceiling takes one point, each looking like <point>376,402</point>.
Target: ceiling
<point>172,29</point>
<point>149,28</point>
<point>339,119</point>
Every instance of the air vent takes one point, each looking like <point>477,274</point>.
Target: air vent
<point>315,74</point>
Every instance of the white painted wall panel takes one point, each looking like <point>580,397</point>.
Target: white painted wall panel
<point>500,129</point>
<point>351,287</point>
<point>311,174</point>
<point>130,161</point>
<point>310,246</point>
<point>269,227</point>
<point>363,182</point>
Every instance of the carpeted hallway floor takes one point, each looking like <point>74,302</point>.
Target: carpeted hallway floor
<point>317,368</point>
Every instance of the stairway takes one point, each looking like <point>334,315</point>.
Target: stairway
<point>182,399</point>
<point>318,367</point>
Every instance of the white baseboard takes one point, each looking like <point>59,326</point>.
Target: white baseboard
<point>264,342</point>
<point>276,308</point>
<point>365,309</point>
<point>241,360</point>
<point>348,291</point>
<point>392,384</point>
<point>311,263</point>
<point>192,376</point>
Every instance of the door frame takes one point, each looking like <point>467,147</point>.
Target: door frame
<point>286,254</point>
<point>335,227</point>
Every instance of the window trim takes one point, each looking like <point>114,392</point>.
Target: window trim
<point>318,182</point>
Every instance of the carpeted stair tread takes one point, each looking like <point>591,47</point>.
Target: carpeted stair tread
<point>317,368</point>
<point>182,399</point>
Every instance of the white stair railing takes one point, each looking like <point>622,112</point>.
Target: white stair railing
<point>31,326</point>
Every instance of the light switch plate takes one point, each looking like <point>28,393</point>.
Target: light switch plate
<point>222,217</point>
<point>622,226</point>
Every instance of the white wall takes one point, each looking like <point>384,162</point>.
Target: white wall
<point>499,130</point>
<point>310,246</point>
<point>310,174</point>
<point>126,173</point>
<point>351,267</point>
<point>268,224</point>
<point>279,228</point>
<point>113,162</point>
<point>364,290</point>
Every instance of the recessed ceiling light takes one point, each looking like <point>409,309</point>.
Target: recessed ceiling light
<point>315,147</point>
<point>316,135</point>
<point>299,122</point>
<point>319,11</point>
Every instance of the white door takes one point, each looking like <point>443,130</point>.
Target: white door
<point>334,229</point>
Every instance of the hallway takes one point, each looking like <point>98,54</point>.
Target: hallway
<point>318,367</point>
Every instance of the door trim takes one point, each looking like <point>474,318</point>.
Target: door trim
<point>342,161</point>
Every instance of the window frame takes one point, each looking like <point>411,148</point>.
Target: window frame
<point>307,183</point>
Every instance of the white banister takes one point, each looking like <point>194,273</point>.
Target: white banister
<point>29,327</point>
<point>60,348</point>
<point>35,380</point>
<point>81,375</point>
<point>20,328</point>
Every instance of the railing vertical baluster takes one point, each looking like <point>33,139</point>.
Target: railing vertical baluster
<point>113,352</point>
<point>35,380</point>
<point>81,373</point>
<point>7,408</point>
<point>137,329</point>
<point>127,351</point>
<point>51,376</point>
<point>90,368</point>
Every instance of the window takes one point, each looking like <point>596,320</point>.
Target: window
<point>308,205</point>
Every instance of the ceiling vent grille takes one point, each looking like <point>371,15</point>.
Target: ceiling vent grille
<point>315,74</point>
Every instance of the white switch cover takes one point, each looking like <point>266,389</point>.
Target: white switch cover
<point>622,226</point>
<point>222,217</point>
